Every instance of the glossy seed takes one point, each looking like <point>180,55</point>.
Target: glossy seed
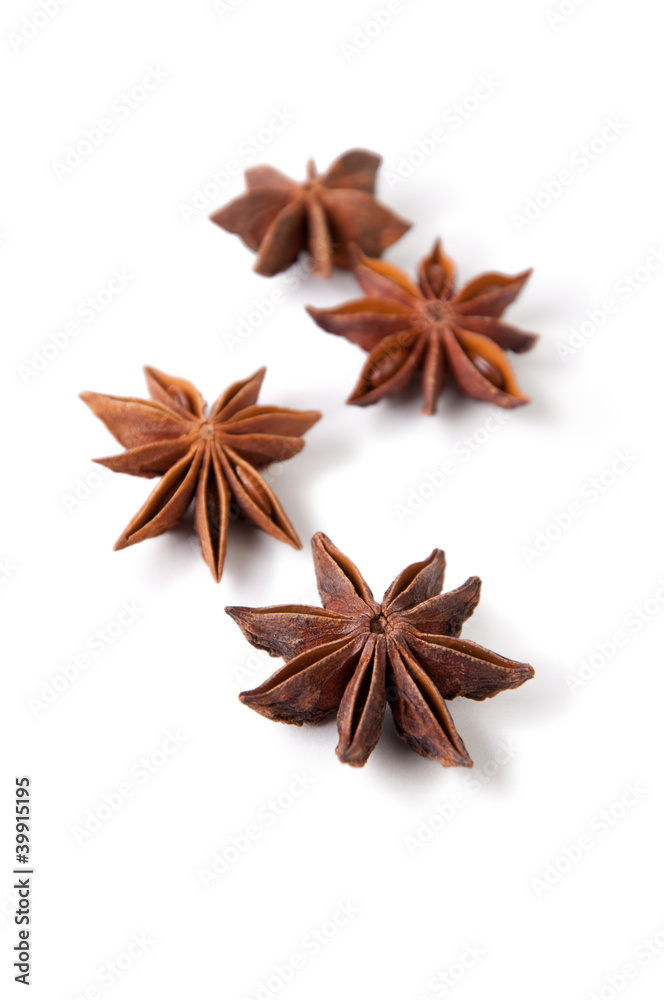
<point>387,365</point>
<point>487,369</point>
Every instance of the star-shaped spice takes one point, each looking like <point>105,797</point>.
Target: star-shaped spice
<point>209,458</point>
<point>429,326</point>
<point>354,655</point>
<point>278,217</point>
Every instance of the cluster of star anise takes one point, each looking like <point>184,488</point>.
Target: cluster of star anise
<point>355,655</point>
<point>408,327</point>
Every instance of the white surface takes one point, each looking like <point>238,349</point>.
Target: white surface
<point>177,666</point>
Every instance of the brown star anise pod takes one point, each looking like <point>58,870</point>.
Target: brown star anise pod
<point>354,655</point>
<point>212,459</point>
<point>430,326</point>
<point>278,217</point>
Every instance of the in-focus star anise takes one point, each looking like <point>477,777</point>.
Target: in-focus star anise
<point>212,459</point>
<point>354,655</point>
<point>429,326</point>
<point>278,217</point>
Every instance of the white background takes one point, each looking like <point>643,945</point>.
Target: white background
<point>419,907</point>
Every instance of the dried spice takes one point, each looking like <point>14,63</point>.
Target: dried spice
<point>212,459</point>
<point>354,655</point>
<point>429,326</point>
<point>279,217</point>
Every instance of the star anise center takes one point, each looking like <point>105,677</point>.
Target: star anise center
<point>379,624</point>
<point>206,431</point>
<point>434,313</point>
<point>487,369</point>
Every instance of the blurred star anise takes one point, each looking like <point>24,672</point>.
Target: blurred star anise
<point>212,459</point>
<point>278,217</point>
<point>429,326</point>
<point>354,656</point>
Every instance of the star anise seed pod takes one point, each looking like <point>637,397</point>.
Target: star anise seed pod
<point>429,326</point>
<point>278,217</point>
<point>212,458</point>
<point>353,656</point>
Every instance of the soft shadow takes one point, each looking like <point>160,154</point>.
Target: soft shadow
<point>247,549</point>
<point>401,770</point>
<point>178,549</point>
<point>290,480</point>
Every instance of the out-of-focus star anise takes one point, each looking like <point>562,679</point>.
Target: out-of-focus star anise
<point>278,217</point>
<point>354,655</point>
<point>429,326</point>
<point>210,458</point>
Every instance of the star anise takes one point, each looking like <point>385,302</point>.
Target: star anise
<point>429,326</point>
<point>278,217</point>
<point>212,459</point>
<point>355,655</point>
